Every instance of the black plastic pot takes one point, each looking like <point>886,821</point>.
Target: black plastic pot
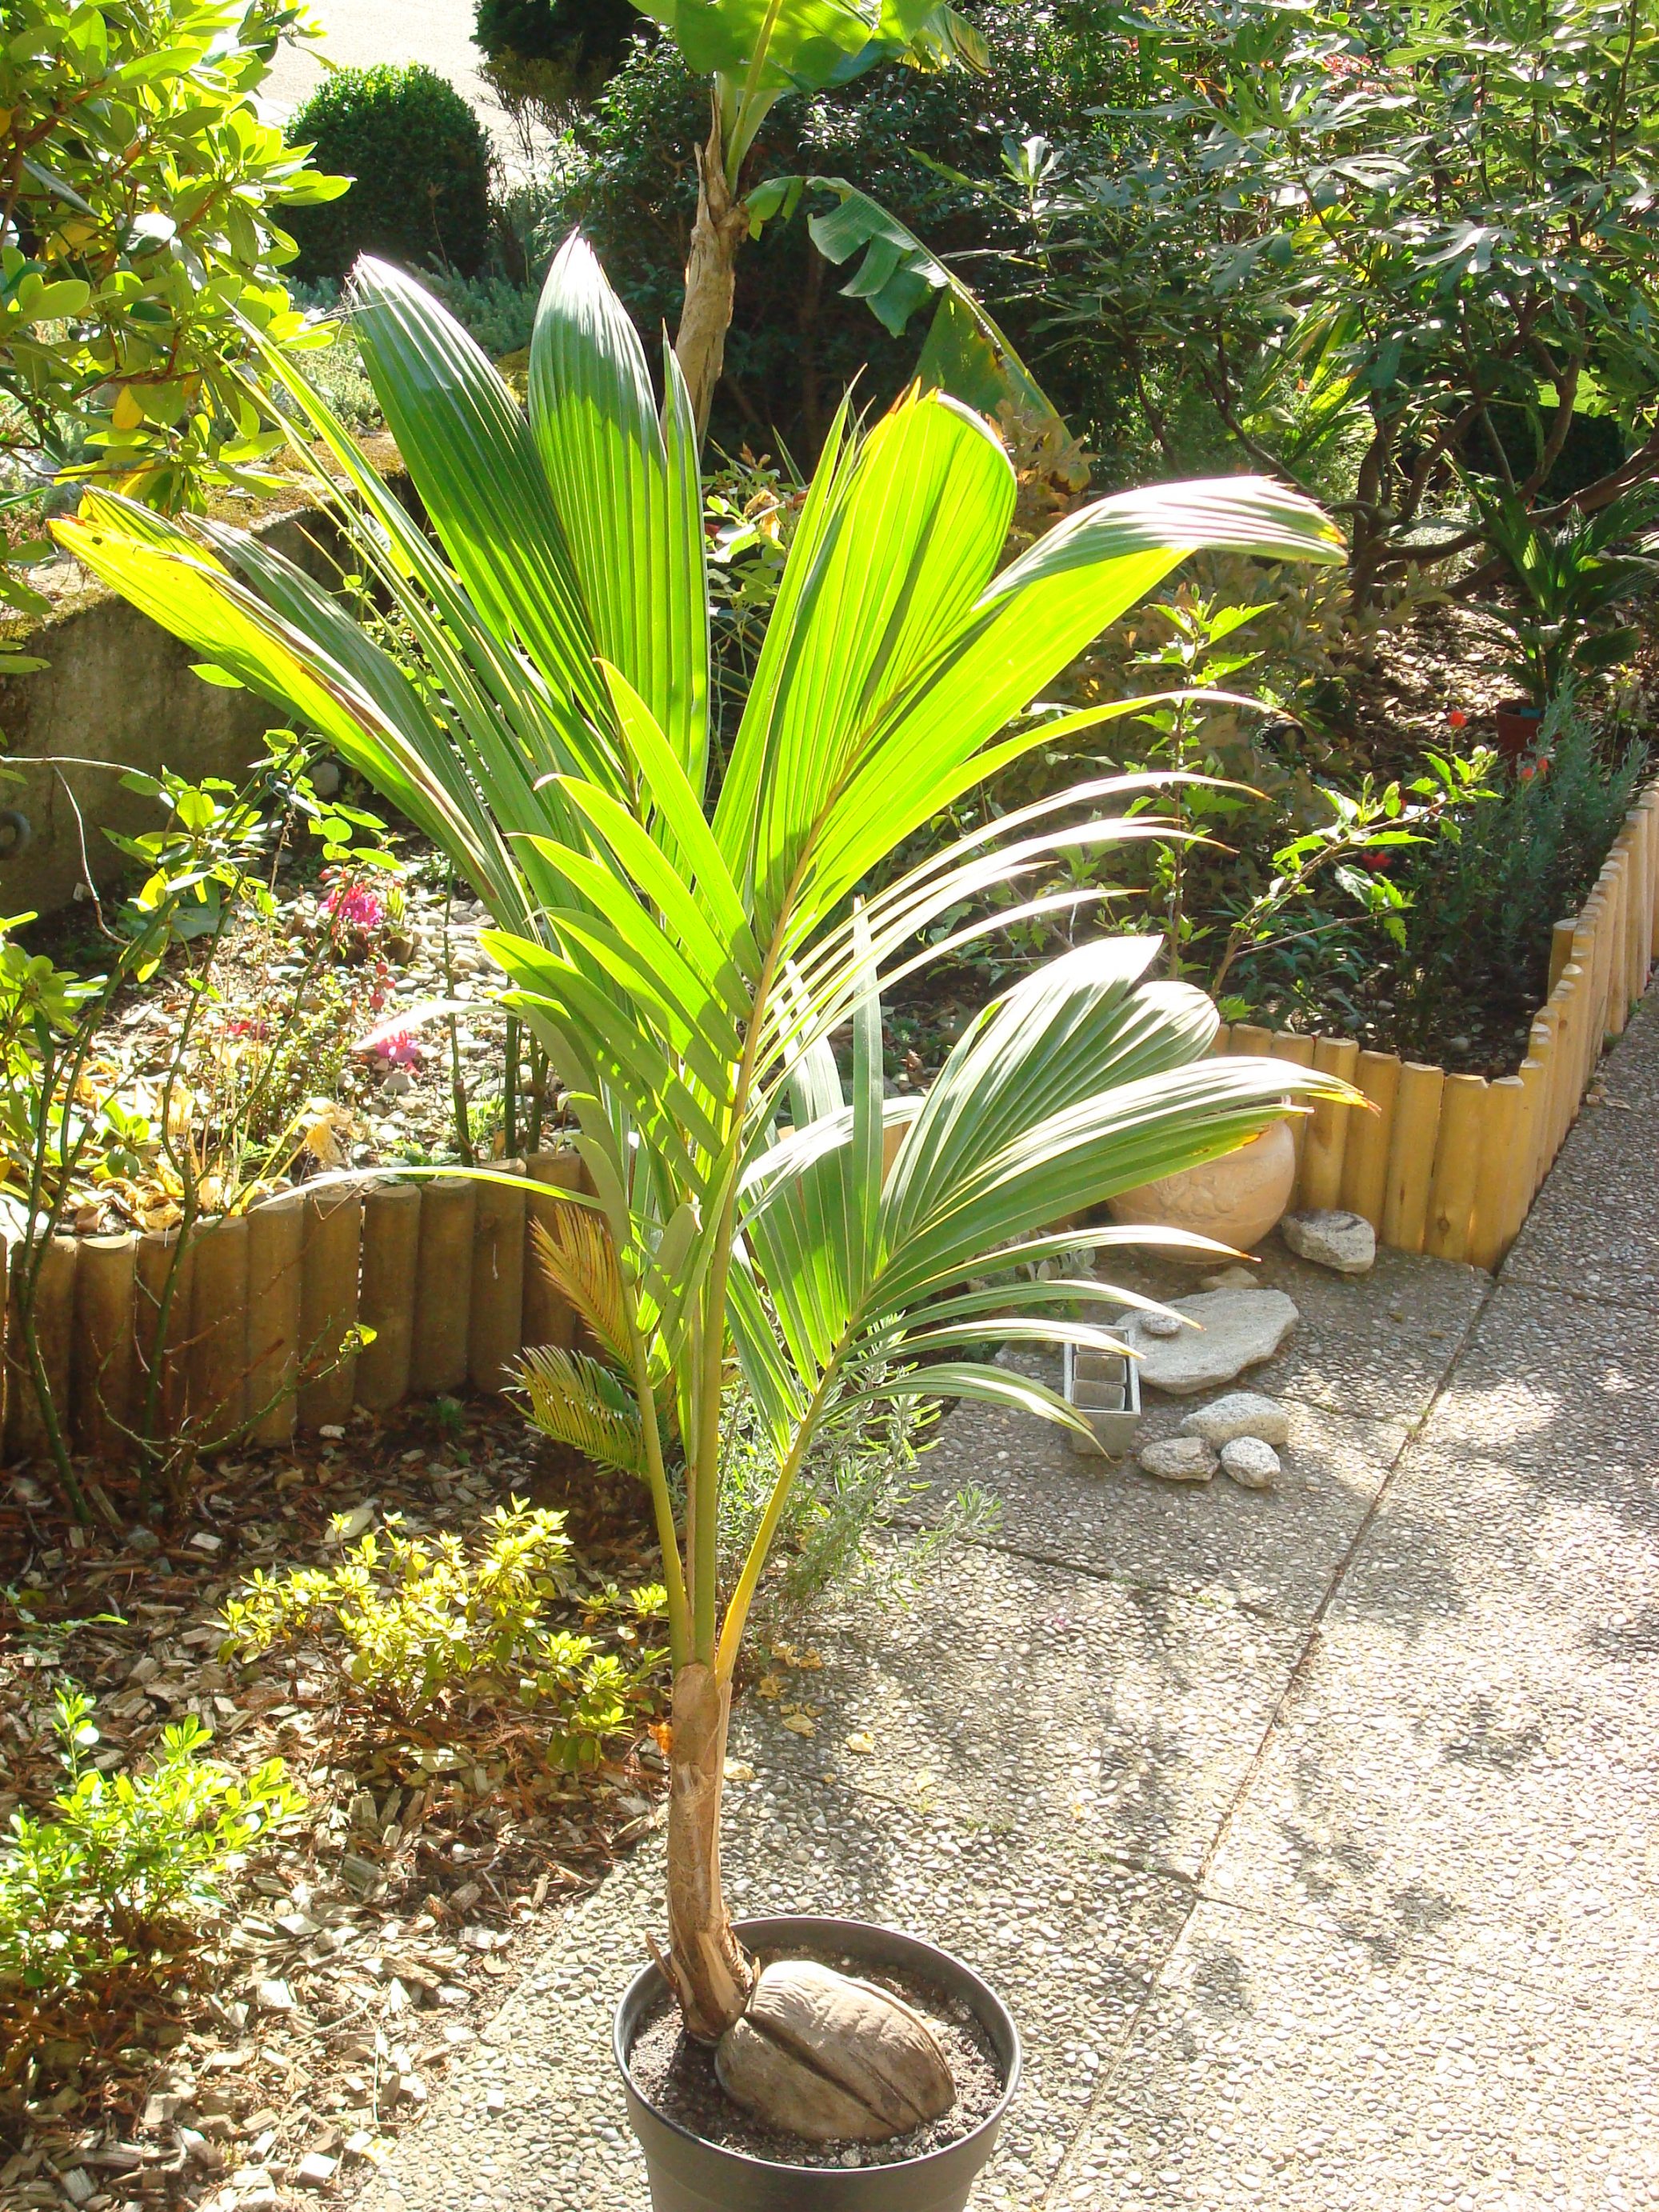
<point>689,2175</point>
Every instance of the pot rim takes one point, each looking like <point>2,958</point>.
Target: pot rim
<point>805,1922</point>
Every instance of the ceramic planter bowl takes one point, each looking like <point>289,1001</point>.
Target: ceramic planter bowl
<point>1236,1200</point>
<point>689,2175</point>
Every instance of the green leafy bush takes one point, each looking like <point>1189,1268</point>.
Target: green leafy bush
<point>419,158</point>
<point>1377,243</point>
<point>795,341</point>
<point>416,1618</point>
<point>498,314</point>
<point>560,50</point>
<point>124,1861</point>
<point>842,1530</point>
<point>141,218</point>
<point>1484,904</point>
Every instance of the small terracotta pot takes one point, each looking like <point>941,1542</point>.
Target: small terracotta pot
<point>1514,728</point>
<point>1236,1200</point>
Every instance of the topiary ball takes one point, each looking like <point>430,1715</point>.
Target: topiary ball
<point>420,162</point>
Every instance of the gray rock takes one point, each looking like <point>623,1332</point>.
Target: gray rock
<point>1236,1329</point>
<point>1236,1278</point>
<point>830,2058</point>
<point>1178,1459</point>
<point>1160,1325</point>
<point>143,1541</point>
<point>1240,1413</point>
<point>1331,1238</point>
<point>1252,1464</point>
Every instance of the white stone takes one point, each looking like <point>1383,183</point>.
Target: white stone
<point>1252,1464</point>
<point>1178,1459</point>
<point>275,1996</point>
<point>1236,1329</point>
<point>1346,1242</point>
<point>1240,1413</point>
<point>1160,1324</point>
<point>314,2171</point>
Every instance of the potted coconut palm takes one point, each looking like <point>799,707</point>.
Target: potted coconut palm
<point>688,949</point>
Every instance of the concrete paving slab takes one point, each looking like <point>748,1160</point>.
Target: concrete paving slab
<point>1030,1699</point>
<point>1374,1346</point>
<point>1557,1384</point>
<point>1473,1759</point>
<point>1072,1940</point>
<point>1273,1551</point>
<point>1629,1066</point>
<point>1284,2067</point>
<point>1561,1559</point>
<point>1593,1228</point>
<point>1496,1806</point>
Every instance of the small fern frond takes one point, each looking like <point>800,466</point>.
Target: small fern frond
<point>579,1402</point>
<point>580,1260</point>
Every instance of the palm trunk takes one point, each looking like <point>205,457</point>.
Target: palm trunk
<point>710,1975</point>
<point>721,225</point>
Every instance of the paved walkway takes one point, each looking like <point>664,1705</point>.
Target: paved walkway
<point>362,32</point>
<point>1311,1835</point>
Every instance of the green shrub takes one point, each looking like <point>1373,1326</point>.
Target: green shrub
<point>844,1531</point>
<point>141,229</point>
<point>1386,245</point>
<point>795,343</point>
<point>416,1618</point>
<point>581,42</point>
<point>420,159</point>
<point>1483,907</point>
<point>124,1860</point>
<point>499,313</point>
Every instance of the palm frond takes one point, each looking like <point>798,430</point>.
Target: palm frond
<point>579,1402</point>
<point>578,1257</point>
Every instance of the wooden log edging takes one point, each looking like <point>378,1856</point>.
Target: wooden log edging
<point>266,1313</point>
<point>260,1337</point>
<point>1449,1164</point>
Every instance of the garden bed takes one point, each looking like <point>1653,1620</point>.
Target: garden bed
<point>355,1955</point>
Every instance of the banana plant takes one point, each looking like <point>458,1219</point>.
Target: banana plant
<point>689,955</point>
<point>754,52</point>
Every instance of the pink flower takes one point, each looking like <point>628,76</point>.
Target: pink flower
<point>354,906</point>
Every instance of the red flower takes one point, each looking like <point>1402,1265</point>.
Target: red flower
<point>1457,718</point>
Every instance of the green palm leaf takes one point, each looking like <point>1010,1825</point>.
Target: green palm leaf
<point>686,957</point>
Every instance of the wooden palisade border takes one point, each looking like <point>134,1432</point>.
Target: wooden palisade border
<point>1449,1164</point>
<point>444,1271</point>
<point>258,1339</point>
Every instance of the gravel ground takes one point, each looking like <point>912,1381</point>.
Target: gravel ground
<point>1310,1834</point>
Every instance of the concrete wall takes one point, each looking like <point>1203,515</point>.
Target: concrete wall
<point>117,688</point>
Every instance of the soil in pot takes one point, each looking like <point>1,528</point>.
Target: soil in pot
<point>676,2076</point>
